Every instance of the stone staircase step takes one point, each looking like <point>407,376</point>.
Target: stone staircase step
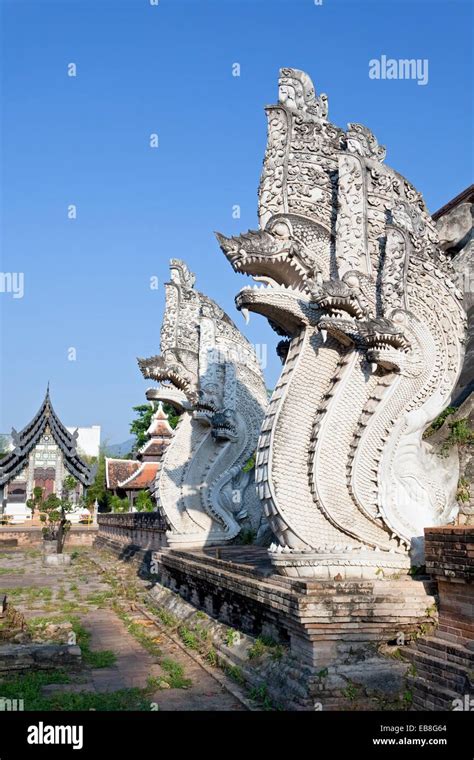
<point>445,648</point>
<point>428,695</point>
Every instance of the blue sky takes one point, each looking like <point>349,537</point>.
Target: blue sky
<point>167,69</point>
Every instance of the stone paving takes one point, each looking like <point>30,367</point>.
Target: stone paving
<point>82,592</point>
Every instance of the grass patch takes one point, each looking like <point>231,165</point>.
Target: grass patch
<point>166,617</point>
<point>40,621</point>
<point>212,658</point>
<point>12,571</point>
<point>351,692</point>
<point>99,598</point>
<point>260,694</point>
<point>28,687</point>
<point>175,671</point>
<point>44,594</point>
<point>231,637</point>
<point>175,674</point>
<point>188,638</point>
<point>14,593</point>
<point>95,659</point>
<point>70,606</point>
<point>235,673</point>
<point>32,553</point>
<point>265,645</point>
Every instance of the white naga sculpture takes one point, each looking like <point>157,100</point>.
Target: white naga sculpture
<point>354,279</point>
<point>209,372</point>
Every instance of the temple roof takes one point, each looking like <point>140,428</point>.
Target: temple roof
<point>26,440</point>
<point>129,474</point>
<point>466,196</point>
<point>140,473</point>
<point>159,426</point>
<point>117,470</point>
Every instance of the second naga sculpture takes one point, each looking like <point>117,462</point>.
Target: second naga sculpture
<point>210,373</point>
<point>353,280</point>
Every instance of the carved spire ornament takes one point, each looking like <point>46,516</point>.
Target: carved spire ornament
<point>373,328</point>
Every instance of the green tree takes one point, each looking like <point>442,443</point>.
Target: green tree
<point>143,502</point>
<point>139,426</point>
<point>53,512</point>
<point>36,501</point>
<point>98,488</point>
<point>119,505</point>
<point>3,446</point>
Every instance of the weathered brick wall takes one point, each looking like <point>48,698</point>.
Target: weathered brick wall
<point>79,535</point>
<point>449,552</point>
<point>145,530</point>
<point>444,663</point>
<point>449,556</point>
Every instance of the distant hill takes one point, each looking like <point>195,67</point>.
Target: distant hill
<point>119,449</point>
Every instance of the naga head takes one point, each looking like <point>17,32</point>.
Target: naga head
<point>224,425</point>
<point>209,402</point>
<point>390,343</point>
<point>285,259</point>
<point>343,305</point>
<point>168,370</point>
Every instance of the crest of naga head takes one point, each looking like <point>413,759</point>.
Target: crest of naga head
<point>177,363</point>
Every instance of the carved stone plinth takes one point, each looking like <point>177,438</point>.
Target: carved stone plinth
<point>337,565</point>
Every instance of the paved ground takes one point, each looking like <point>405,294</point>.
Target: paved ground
<point>83,593</point>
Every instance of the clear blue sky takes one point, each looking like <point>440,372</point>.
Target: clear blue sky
<point>168,69</point>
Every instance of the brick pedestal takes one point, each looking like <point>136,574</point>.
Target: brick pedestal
<point>443,664</point>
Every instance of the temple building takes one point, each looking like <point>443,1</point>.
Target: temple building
<point>44,453</point>
<point>127,477</point>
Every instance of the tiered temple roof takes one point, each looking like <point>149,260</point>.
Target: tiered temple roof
<point>26,440</point>
<point>137,474</point>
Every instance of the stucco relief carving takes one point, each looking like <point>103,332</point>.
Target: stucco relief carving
<point>352,277</point>
<point>210,373</point>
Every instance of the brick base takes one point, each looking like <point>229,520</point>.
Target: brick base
<point>443,664</point>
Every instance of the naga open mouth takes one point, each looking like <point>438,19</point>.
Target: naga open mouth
<point>285,308</point>
<point>224,427</point>
<point>341,326</point>
<point>340,317</point>
<point>156,369</point>
<point>173,377</point>
<point>268,259</point>
<point>290,273</point>
<point>284,259</point>
<point>206,407</point>
<point>388,351</point>
<point>386,341</point>
<point>204,411</point>
<point>334,298</point>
